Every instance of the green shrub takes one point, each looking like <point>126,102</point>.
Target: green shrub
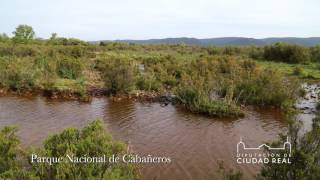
<point>9,149</point>
<point>287,53</point>
<point>46,65</point>
<point>23,51</point>
<point>231,50</point>
<point>119,74</point>
<point>149,83</point>
<point>315,53</point>
<point>216,85</point>
<point>199,101</point>
<point>18,74</point>
<point>70,68</point>
<point>12,157</point>
<point>77,52</point>
<point>91,141</point>
<point>213,50</point>
<point>255,52</point>
<point>69,51</point>
<point>304,151</point>
<point>18,50</point>
<point>5,50</point>
<point>267,87</point>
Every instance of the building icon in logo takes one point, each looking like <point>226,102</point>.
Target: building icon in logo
<point>241,146</point>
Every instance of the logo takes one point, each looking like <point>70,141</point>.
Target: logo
<point>263,154</point>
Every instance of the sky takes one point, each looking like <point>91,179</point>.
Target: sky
<point>146,19</point>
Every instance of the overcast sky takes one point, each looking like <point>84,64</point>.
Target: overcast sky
<point>145,19</point>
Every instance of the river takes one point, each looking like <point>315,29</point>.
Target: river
<point>196,144</point>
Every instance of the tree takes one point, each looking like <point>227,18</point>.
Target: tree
<point>53,36</point>
<point>23,34</point>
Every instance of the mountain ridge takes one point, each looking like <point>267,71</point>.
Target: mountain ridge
<point>226,41</point>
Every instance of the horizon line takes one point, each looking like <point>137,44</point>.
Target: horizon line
<point>219,37</point>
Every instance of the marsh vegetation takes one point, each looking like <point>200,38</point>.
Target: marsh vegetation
<point>214,81</point>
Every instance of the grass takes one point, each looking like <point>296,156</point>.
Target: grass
<point>310,71</point>
<point>68,85</point>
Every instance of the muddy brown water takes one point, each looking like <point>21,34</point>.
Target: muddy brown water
<point>196,144</point>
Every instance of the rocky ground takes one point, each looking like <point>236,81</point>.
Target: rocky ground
<point>308,103</point>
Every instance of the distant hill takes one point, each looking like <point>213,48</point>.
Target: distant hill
<point>225,41</point>
<point>184,40</point>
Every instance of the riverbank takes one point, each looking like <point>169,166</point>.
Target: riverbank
<point>215,82</point>
<point>138,95</point>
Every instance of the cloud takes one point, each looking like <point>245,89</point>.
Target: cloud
<point>143,19</point>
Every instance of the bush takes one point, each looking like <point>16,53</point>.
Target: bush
<point>70,68</point>
<point>231,50</point>
<point>18,50</point>
<point>213,50</point>
<point>256,52</point>
<point>255,89</point>
<point>18,74</point>
<point>304,158</point>
<point>9,149</point>
<point>149,83</point>
<point>216,85</point>
<point>315,53</point>
<point>91,141</point>
<point>119,74</point>
<point>162,72</point>
<point>199,101</point>
<point>246,82</point>
<point>71,51</point>
<point>287,53</point>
